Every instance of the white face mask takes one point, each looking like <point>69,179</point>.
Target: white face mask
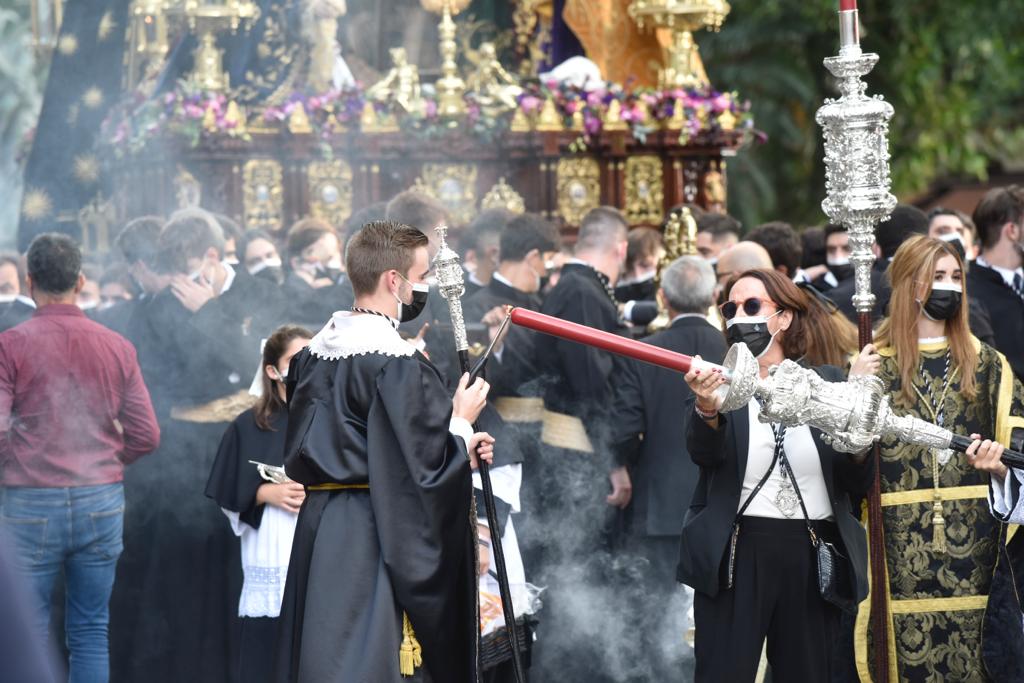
<point>264,264</point>
<point>837,260</point>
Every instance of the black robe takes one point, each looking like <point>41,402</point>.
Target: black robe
<point>362,557</point>
<point>174,609</point>
<point>312,306</point>
<point>234,480</point>
<point>14,313</point>
<point>518,364</point>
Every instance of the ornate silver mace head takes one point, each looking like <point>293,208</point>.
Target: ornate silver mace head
<point>851,414</point>
<point>450,282</point>
<point>856,129</point>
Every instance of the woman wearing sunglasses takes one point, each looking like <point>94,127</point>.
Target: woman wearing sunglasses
<point>946,555</point>
<point>766,498</point>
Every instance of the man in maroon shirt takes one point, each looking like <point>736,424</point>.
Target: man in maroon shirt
<point>73,412</point>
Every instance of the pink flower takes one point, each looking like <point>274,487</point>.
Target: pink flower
<point>530,104</point>
<point>193,112</point>
<point>721,103</point>
<point>430,109</point>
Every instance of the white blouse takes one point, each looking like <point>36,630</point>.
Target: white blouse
<point>803,459</point>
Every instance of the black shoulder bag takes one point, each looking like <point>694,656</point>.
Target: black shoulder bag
<point>833,569</point>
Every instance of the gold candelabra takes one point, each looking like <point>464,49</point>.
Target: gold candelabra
<point>679,239</point>
<point>206,18</point>
<point>684,68</point>
<point>450,87</point>
<point>46,17</point>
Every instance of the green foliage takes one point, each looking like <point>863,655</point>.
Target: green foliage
<point>951,70</point>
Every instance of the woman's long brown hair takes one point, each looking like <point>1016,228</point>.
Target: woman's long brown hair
<point>277,345</point>
<point>817,335</point>
<point>912,266</point>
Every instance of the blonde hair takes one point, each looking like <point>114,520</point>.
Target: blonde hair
<point>914,265</point>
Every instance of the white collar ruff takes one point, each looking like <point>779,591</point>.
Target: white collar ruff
<point>349,334</point>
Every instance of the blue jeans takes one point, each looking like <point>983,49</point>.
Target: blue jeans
<point>78,531</point>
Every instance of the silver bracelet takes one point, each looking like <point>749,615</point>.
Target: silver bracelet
<point>707,417</point>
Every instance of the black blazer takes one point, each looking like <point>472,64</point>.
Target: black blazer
<point>650,434</point>
<point>722,457</point>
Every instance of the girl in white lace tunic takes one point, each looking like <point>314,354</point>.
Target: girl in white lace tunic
<point>261,504</point>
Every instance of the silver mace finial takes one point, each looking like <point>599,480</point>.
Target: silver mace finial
<point>856,129</point>
<point>450,282</point>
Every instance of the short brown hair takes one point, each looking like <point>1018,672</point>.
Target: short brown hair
<point>641,243</point>
<point>189,233</point>
<point>998,207</point>
<point>416,209</point>
<point>378,247</point>
<point>304,234</point>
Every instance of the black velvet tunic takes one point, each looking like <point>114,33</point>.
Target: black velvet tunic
<point>362,557</point>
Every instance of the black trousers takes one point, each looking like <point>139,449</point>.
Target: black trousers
<point>774,595</point>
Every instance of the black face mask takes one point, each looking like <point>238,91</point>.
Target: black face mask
<point>751,331</point>
<point>274,274</point>
<point>420,293</point>
<point>943,304</point>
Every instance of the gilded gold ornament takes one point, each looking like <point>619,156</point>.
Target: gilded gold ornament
<point>330,190</point>
<point>503,196</point>
<point>645,191</point>
<point>578,183</point>
<point>262,194</point>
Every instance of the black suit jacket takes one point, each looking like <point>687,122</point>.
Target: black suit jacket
<point>1005,311</point>
<point>650,428</point>
<point>722,457</point>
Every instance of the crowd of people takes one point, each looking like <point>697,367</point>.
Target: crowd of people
<point>249,454</point>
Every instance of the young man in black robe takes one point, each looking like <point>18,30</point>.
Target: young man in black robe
<point>198,338</point>
<point>650,444</point>
<point>573,489</point>
<point>382,578</point>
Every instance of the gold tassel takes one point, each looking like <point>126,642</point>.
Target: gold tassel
<point>410,655</point>
<point>938,527</point>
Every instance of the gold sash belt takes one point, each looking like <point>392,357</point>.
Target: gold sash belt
<point>958,604</point>
<point>565,431</point>
<point>224,409</point>
<point>338,487</point>
<point>928,495</point>
<point>520,409</point>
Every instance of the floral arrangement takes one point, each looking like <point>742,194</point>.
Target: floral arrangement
<point>195,116</point>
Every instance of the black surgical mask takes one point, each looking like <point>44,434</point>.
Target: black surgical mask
<point>751,331</point>
<point>944,301</point>
<point>411,311</point>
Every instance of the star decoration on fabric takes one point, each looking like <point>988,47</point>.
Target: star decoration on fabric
<point>92,98</point>
<point>36,205</point>
<point>106,27</point>
<point>67,45</point>
<point>86,169</point>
